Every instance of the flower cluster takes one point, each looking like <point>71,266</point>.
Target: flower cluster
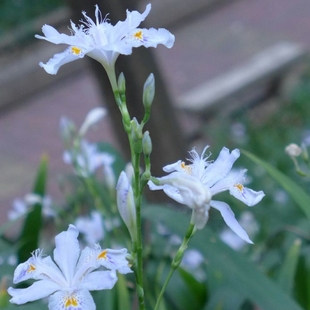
<point>68,283</point>
<point>68,278</point>
<point>195,185</point>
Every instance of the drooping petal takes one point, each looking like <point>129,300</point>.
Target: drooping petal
<point>77,300</point>
<point>67,251</point>
<point>220,167</point>
<point>100,280</point>
<point>37,290</point>
<point>230,220</point>
<point>53,65</point>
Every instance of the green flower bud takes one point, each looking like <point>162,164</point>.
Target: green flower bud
<point>136,135</point>
<point>148,92</point>
<point>121,83</point>
<point>147,143</point>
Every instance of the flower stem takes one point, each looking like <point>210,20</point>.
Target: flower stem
<point>176,261</point>
<point>120,99</point>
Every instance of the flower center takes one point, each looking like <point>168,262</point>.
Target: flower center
<point>76,50</point>
<point>71,301</point>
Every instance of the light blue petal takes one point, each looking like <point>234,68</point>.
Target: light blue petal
<point>67,251</point>
<point>99,280</point>
<point>77,300</point>
<point>150,37</point>
<point>53,36</point>
<point>246,195</point>
<point>229,218</point>
<point>53,65</point>
<point>221,167</point>
<point>37,290</point>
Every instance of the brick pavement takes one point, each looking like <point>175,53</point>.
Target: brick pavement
<point>206,46</point>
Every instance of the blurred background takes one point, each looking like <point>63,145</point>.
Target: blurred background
<point>238,75</point>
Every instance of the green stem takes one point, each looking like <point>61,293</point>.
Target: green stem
<point>176,262</point>
<point>138,200</point>
<point>135,159</point>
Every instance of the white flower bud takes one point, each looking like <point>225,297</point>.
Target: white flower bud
<point>126,204</point>
<point>293,150</point>
<point>93,117</point>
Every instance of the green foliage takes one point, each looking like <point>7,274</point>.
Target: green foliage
<point>28,240</point>
<point>30,233</point>
<point>294,190</point>
<point>18,12</point>
<point>226,265</point>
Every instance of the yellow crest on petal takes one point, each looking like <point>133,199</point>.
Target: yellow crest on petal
<point>239,187</point>
<point>138,35</point>
<point>31,268</point>
<point>76,50</point>
<point>71,301</point>
<point>102,255</point>
<point>187,168</point>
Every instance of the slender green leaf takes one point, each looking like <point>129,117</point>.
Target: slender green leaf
<point>179,295</point>
<point>29,237</point>
<point>302,284</point>
<point>288,270</point>
<point>233,267</point>
<point>198,289</point>
<point>296,192</point>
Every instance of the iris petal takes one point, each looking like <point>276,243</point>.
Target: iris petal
<point>53,65</point>
<point>67,251</point>
<point>77,300</point>
<point>37,290</point>
<point>229,218</point>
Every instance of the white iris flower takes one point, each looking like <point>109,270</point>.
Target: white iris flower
<point>195,185</point>
<point>68,280</point>
<point>88,159</point>
<point>102,41</point>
